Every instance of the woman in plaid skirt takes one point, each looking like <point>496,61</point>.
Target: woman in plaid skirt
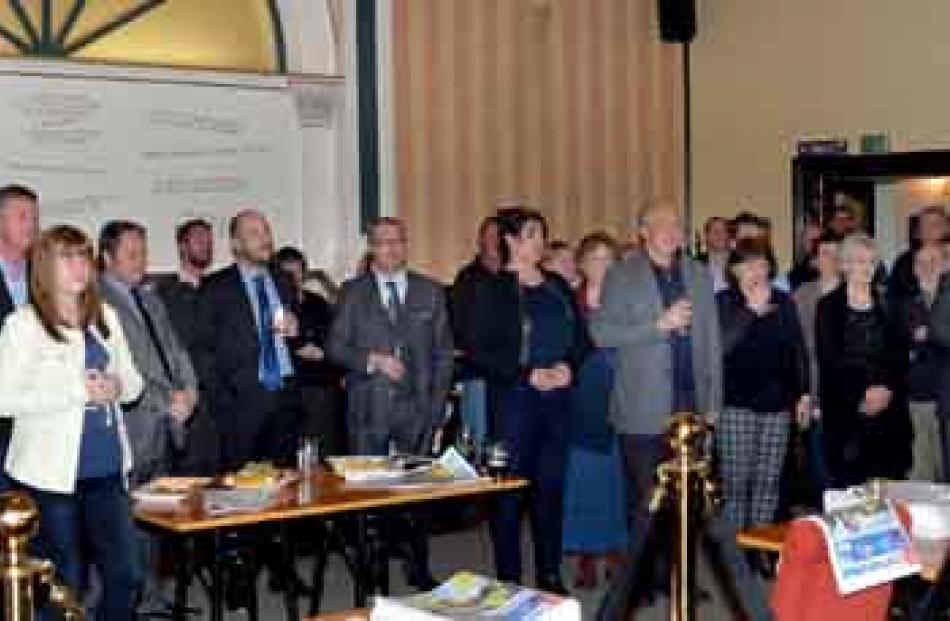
<point>765,376</point>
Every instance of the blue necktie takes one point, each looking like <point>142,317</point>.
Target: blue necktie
<point>268,365</point>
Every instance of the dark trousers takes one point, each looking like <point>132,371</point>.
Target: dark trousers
<point>199,456</point>
<point>404,428</point>
<point>532,426</point>
<point>403,534</point>
<point>96,519</point>
<point>323,416</point>
<point>641,455</point>
<point>865,448</point>
<point>262,425</point>
<point>6,430</point>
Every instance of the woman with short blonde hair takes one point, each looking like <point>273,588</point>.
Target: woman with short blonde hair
<point>861,368</point>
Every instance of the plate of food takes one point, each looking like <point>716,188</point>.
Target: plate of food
<point>168,491</point>
<point>254,475</point>
<point>362,468</point>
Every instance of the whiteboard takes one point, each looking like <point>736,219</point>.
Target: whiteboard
<point>153,146</point>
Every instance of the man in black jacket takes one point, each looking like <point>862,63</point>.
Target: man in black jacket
<point>180,293</point>
<point>246,332</point>
<point>931,231</point>
<point>19,225</point>
<point>473,403</point>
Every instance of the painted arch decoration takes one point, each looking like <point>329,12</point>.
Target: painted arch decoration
<point>243,35</point>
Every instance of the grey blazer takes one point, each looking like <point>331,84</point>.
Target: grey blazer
<point>147,420</point>
<point>626,320</point>
<point>362,325</point>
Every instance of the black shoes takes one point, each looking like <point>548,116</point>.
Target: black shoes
<point>420,578</point>
<point>552,584</point>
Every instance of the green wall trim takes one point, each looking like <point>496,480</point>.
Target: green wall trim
<point>368,107</point>
<point>280,46</point>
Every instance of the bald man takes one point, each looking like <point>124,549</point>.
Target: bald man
<point>246,330</point>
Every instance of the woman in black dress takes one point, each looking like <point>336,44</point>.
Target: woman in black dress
<point>861,371</point>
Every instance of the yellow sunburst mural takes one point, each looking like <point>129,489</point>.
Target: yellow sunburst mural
<point>222,34</point>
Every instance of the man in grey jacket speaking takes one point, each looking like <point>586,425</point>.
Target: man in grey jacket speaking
<point>659,312</point>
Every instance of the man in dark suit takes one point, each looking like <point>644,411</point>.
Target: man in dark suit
<point>392,336</point>
<point>19,225</point>
<point>246,331</point>
<point>180,293</point>
<point>717,243</point>
<point>157,420</point>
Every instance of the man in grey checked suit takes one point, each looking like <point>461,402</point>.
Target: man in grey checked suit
<point>157,420</point>
<point>658,310</point>
<point>392,335</point>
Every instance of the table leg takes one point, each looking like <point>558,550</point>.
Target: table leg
<point>318,576</point>
<point>361,576</point>
<point>216,592</point>
<point>291,601</point>
<point>182,550</point>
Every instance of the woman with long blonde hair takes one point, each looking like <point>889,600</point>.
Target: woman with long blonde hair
<point>65,368</point>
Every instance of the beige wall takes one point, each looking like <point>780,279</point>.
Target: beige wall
<point>769,72</point>
<point>570,105</point>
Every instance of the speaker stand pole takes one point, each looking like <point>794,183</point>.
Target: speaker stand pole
<point>687,144</point>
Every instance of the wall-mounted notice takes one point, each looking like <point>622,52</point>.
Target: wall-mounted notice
<point>155,146</point>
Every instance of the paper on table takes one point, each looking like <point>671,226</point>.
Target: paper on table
<point>867,546</point>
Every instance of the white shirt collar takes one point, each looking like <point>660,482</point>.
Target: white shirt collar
<point>401,279</point>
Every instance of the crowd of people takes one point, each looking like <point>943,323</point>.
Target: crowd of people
<point>573,358</point>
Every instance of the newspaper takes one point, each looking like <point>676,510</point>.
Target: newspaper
<point>401,472</point>
<point>867,545</point>
<point>467,596</point>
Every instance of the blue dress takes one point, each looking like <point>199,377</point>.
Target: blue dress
<point>594,498</point>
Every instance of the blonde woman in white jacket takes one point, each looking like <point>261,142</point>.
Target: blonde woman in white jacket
<point>64,370</point>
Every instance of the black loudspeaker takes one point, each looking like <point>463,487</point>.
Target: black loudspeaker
<point>677,20</point>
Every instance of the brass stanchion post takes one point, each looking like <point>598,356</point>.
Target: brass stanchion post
<point>686,477</point>
<point>20,575</point>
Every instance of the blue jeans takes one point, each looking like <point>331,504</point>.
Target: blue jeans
<point>473,410</point>
<point>532,425</point>
<point>96,520</point>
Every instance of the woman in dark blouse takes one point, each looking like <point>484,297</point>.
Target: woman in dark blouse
<point>861,369</point>
<point>765,373</point>
<point>529,340</point>
<point>320,380</point>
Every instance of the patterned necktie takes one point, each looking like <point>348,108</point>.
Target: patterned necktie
<point>268,364</point>
<point>392,303</point>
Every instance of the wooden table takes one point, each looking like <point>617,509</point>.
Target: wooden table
<point>771,537</point>
<point>768,538</point>
<point>323,495</point>
<point>358,614</point>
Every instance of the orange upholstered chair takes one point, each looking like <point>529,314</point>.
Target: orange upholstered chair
<point>805,589</point>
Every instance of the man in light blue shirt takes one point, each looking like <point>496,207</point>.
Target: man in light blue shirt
<point>19,225</point>
<point>244,333</point>
<point>251,275</point>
